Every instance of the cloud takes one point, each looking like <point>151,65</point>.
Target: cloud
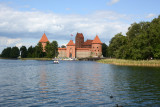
<point>151,15</point>
<point>112,2</point>
<point>16,25</point>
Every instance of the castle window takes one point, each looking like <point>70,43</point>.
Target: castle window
<point>95,50</point>
<point>93,47</point>
<point>97,47</point>
<point>98,50</point>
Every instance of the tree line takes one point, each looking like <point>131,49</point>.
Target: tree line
<point>51,50</point>
<point>142,41</point>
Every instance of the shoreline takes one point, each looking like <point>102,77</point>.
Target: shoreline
<point>36,59</point>
<point>123,62</point>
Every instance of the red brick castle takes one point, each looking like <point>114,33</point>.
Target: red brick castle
<point>81,49</point>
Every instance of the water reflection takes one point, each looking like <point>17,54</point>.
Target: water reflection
<point>79,83</point>
<point>43,83</point>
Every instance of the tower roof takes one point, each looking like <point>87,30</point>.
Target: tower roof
<point>80,35</point>
<point>97,40</point>
<point>44,38</point>
<point>70,43</point>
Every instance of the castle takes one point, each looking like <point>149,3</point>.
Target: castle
<point>79,49</point>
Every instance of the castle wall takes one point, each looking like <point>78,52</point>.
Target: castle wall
<point>86,46</point>
<point>83,52</point>
<point>62,52</point>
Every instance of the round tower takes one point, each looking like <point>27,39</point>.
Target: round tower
<point>79,40</point>
<point>96,49</point>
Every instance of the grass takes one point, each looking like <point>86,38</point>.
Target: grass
<point>131,62</point>
<point>36,58</point>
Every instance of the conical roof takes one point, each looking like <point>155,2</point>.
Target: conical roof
<point>70,43</point>
<point>97,40</point>
<point>44,38</point>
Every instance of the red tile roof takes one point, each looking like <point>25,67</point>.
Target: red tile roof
<point>44,38</point>
<point>61,48</point>
<point>88,42</point>
<point>70,43</point>
<point>97,40</point>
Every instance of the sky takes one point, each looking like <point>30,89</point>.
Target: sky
<point>23,22</point>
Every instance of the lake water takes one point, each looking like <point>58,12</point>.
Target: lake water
<point>77,83</point>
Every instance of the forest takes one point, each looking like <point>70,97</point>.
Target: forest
<point>142,42</point>
<point>32,52</point>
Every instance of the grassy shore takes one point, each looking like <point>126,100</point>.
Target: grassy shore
<point>36,58</point>
<point>153,63</point>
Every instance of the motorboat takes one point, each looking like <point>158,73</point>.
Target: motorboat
<point>56,62</point>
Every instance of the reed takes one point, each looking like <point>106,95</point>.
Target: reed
<point>131,62</point>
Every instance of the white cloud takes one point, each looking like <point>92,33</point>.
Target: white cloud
<point>8,41</point>
<point>112,2</point>
<point>151,15</point>
<point>31,24</point>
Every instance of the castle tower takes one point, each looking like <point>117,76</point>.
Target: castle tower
<point>79,40</point>
<point>70,49</point>
<point>96,47</point>
<point>44,40</point>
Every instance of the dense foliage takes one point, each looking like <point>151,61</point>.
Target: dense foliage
<point>142,41</point>
<point>51,50</point>
<point>10,52</point>
<point>104,50</point>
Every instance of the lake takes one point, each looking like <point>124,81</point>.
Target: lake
<point>77,83</point>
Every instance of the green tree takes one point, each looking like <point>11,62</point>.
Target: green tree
<point>104,50</point>
<point>30,52</point>
<point>116,42</point>
<point>23,51</point>
<point>15,52</point>
<point>49,50</point>
<point>6,52</point>
<point>63,46</point>
<point>54,44</point>
<point>38,52</point>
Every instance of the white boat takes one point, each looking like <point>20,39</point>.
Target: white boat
<point>56,62</point>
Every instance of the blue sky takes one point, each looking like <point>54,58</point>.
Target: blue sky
<point>23,22</point>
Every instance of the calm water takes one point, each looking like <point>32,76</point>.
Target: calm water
<point>77,83</point>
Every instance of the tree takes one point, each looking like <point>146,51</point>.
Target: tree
<point>49,50</point>
<point>23,51</point>
<point>54,44</point>
<point>38,52</point>
<point>116,42</point>
<point>6,52</point>
<point>14,52</point>
<point>63,46</point>
<point>30,52</point>
<point>104,50</point>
